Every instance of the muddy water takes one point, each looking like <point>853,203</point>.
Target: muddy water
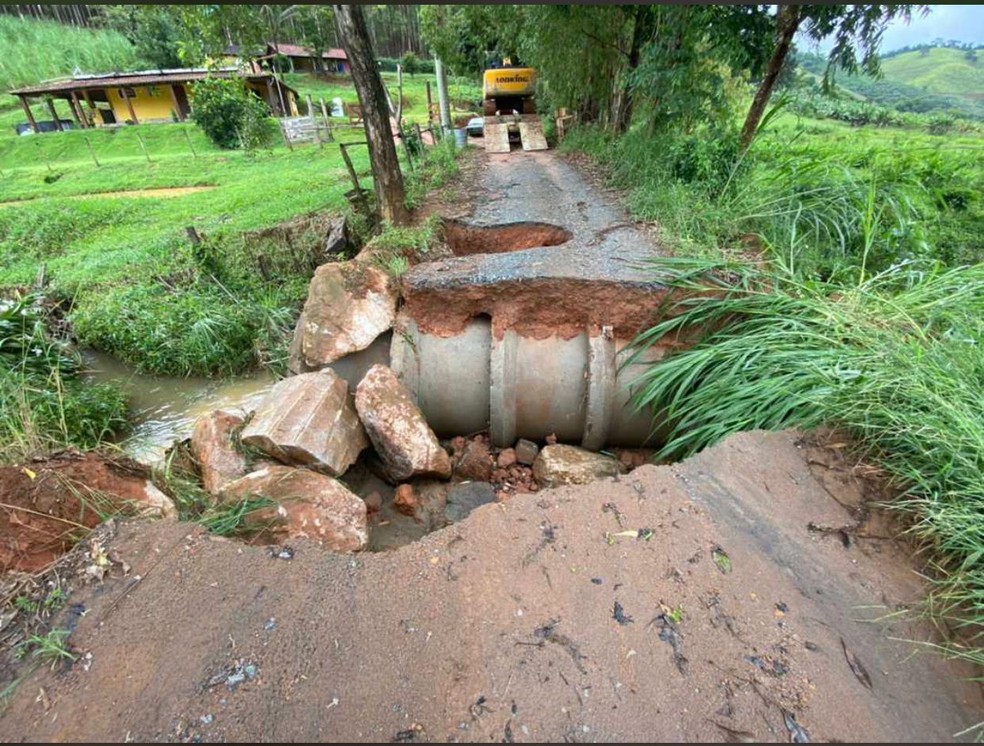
<point>164,408</point>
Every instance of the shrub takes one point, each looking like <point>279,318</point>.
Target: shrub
<point>230,115</point>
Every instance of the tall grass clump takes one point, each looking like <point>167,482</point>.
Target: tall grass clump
<point>44,403</point>
<point>895,359</point>
<point>35,50</point>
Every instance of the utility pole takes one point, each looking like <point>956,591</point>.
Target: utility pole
<point>442,96</point>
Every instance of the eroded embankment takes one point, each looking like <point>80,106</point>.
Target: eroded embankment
<point>686,602</point>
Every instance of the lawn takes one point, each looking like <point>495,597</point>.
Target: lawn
<point>139,287</point>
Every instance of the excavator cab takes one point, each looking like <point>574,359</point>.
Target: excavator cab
<point>509,106</point>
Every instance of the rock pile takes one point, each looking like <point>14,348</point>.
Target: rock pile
<point>311,429</point>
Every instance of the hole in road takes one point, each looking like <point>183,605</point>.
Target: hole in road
<point>464,239</point>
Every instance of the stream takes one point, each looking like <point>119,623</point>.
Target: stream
<point>164,408</point>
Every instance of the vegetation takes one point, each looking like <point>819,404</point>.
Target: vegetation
<point>230,115</point>
<point>37,50</point>
<point>43,402</point>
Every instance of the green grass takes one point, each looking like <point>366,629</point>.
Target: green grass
<point>139,289</point>
<point>894,360</point>
<point>943,70</point>
<point>802,189</point>
<point>36,50</point>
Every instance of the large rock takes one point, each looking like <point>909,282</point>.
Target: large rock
<point>349,304</point>
<point>309,420</point>
<point>214,449</point>
<point>309,505</point>
<point>560,464</point>
<point>404,442</point>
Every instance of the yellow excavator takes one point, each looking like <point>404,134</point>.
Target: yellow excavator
<point>510,109</point>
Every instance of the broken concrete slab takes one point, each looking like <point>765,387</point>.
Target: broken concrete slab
<point>405,443</point>
<point>308,420</point>
<point>349,304</point>
<point>563,464</point>
<point>213,446</point>
<point>308,505</point>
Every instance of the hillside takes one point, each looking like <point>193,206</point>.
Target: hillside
<point>942,79</point>
<point>37,50</point>
<point>944,71</point>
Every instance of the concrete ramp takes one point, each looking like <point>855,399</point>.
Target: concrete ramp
<point>496,137</point>
<point>531,134</point>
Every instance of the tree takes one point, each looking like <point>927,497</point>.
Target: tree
<point>855,28</point>
<point>387,178</point>
<point>152,30</point>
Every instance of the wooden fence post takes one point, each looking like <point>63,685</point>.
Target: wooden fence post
<point>363,202</point>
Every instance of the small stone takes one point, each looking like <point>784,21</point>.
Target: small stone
<point>507,457</point>
<point>526,451</point>
<point>562,464</point>
<point>405,500</point>
<point>475,462</point>
<point>373,501</point>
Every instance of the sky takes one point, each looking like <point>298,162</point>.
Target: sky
<point>962,22</point>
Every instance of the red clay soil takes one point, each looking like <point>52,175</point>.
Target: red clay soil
<point>464,239</point>
<point>546,308</point>
<point>689,602</point>
<point>45,505</point>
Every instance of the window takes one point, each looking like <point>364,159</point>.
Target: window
<point>127,92</point>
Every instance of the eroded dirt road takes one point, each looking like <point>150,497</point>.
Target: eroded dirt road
<point>742,595</point>
<point>538,619</point>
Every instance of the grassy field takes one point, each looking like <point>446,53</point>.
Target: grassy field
<point>942,70</point>
<point>37,50</point>
<point>139,288</point>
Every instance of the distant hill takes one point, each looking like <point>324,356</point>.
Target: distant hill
<point>938,70</point>
<point>37,50</point>
<point>919,80</point>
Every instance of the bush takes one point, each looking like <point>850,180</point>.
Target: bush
<point>230,115</point>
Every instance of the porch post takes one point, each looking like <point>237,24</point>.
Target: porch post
<point>73,105</point>
<point>30,114</point>
<point>177,106</point>
<point>54,114</point>
<point>129,105</point>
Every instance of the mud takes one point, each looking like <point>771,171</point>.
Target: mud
<point>546,307</point>
<point>465,239</point>
<point>46,505</point>
<point>679,603</point>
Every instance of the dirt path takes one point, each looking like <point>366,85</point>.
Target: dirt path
<point>738,596</point>
<point>164,192</point>
<point>533,620</point>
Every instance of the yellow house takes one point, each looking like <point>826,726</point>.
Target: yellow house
<point>150,96</point>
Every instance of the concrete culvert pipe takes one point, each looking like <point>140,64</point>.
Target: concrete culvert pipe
<point>522,387</point>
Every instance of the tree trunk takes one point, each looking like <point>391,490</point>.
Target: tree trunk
<point>787,21</point>
<point>387,179</point>
<point>641,30</point>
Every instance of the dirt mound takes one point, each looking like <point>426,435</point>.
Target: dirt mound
<point>684,602</point>
<point>47,505</point>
